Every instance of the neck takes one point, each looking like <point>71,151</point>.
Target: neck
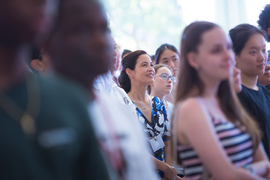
<point>210,88</point>
<point>12,66</point>
<point>138,92</point>
<point>158,94</point>
<point>86,83</point>
<point>249,81</point>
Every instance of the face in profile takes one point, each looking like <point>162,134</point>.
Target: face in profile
<point>163,83</point>
<point>144,72</point>
<point>21,20</point>
<point>115,54</point>
<point>214,59</point>
<point>265,78</point>
<point>252,59</point>
<point>171,59</point>
<point>82,44</point>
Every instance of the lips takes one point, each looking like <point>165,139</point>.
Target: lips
<point>261,66</point>
<point>150,75</point>
<point>168,86</point>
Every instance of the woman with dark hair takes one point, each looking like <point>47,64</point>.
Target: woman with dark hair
<point>168,54</point>
<point>250,53</point>
<point>216,137</point>
<point>137,74</point>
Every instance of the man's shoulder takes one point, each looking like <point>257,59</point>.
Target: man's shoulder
<point>56,88</point>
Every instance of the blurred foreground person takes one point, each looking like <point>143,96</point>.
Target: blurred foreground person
<point>215,136</point>
<point>81,49</point>
<point>45,129</point>
<point>40,61</point>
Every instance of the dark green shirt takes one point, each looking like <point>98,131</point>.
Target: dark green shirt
<point>64,145</point>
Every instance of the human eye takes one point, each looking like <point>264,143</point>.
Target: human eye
<point>216,50</point>
<point>253,52</point>
<point>144,65</point>
<point>165,62</point>
<point>165,76</point>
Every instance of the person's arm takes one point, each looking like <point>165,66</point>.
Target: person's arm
<point>199,131</point>
<point>169,172</point>
<point>168,153</point>
<point>261,163</point>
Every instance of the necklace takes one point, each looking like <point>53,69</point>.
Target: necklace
<point>140,104</point>
<point>24,118</point>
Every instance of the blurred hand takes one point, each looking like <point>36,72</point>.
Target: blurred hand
<point>170,173</point>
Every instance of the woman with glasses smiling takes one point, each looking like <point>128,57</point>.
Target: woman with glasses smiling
<point>137,74</point>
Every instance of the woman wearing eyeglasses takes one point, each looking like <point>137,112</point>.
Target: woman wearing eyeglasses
<point>163,85</point>
<point>137,74</point>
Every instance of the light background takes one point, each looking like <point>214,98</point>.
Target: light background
<point>146,24</point>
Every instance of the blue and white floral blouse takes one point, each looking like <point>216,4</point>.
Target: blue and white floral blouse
<point>159,125</point>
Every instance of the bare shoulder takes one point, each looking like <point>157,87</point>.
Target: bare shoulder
<point>191,110</point>
<point>191,104</point>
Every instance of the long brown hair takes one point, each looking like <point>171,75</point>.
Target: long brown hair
<point>190,81</point>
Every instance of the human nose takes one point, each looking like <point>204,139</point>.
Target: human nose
<point>169,79</point>
<point>229,55</point>
<point>236,71</point>
<point>115,53</point>
<point>262,57</point>
<point>171,64</point>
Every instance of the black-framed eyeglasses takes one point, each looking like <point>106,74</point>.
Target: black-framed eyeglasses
<point>166,77</point>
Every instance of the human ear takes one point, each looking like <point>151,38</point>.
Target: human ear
<point>268,30</point>
<point>37,65</point>
<point>193,60</point>
<point>129,73</point>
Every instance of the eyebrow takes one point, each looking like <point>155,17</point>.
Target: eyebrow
<point>253,47</point>
<point>144,62</point>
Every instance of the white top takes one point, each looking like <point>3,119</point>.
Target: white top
<point>117,105</point>
<point>103,82</point>
<point>169,109</point>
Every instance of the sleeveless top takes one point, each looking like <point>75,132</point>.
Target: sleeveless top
<point>236,142</point>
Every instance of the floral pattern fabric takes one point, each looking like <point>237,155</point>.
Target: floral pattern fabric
<point>159,125</point>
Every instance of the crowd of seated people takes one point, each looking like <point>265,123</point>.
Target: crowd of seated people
<point>73,106</point>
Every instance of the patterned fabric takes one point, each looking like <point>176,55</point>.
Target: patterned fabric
<point>236,142</point>
<point>159,125</point>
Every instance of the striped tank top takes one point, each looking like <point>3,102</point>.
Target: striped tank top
<point>236,142</point>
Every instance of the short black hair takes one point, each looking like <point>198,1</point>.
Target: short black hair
<point>264,19</point>
<point>126,51</point>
